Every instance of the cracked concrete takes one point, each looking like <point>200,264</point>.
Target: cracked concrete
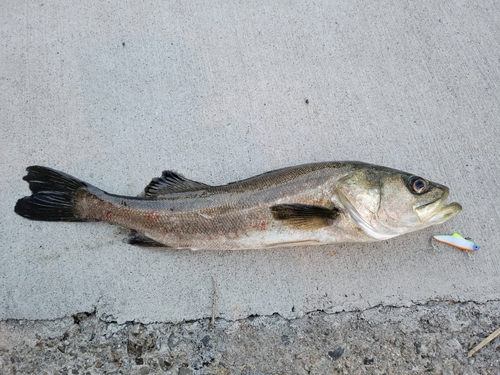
<point>116,92</point>
<point>433,338</point>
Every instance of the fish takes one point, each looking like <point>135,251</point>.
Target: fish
<point>309,204</point>
<point>457,241</point>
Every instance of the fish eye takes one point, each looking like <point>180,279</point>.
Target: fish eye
<point>417,184</point>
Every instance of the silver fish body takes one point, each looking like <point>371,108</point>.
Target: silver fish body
<point>316,203</point>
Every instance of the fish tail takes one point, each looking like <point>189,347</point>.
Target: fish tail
<point>53,195</point>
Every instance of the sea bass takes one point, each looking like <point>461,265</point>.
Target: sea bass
<point>309,204</point>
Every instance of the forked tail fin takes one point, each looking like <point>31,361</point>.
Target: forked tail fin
<point>53,197</point>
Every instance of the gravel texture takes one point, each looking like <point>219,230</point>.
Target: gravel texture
<point>423,339</point>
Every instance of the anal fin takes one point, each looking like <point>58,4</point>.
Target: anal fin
<point>140,239</point>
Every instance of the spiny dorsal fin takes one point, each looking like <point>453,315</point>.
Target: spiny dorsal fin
<point>171,182</point>
<point>304,216</point>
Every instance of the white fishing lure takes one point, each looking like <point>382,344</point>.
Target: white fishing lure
<point>457,241</point>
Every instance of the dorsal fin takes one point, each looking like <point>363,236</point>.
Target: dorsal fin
<point>171,182</point>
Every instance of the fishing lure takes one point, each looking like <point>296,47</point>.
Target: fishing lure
<point>458,241</point>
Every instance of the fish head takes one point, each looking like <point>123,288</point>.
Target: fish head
<point>385,203</point>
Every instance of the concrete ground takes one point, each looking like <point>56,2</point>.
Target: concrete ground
<point>421,339</point>
<point>116,92</point>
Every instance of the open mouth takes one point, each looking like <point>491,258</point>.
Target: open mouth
<point>438,211</point>
<point>446,212</point>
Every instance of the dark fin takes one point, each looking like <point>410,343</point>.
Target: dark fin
<point>139,239</point>
<point>53,195</point>
<point>171,182</point>
<point>304,216</point>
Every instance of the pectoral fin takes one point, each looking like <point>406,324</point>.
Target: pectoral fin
<point>304,216</point>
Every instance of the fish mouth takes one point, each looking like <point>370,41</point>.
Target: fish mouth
<point>446,212</point>
<point>437,211</point>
